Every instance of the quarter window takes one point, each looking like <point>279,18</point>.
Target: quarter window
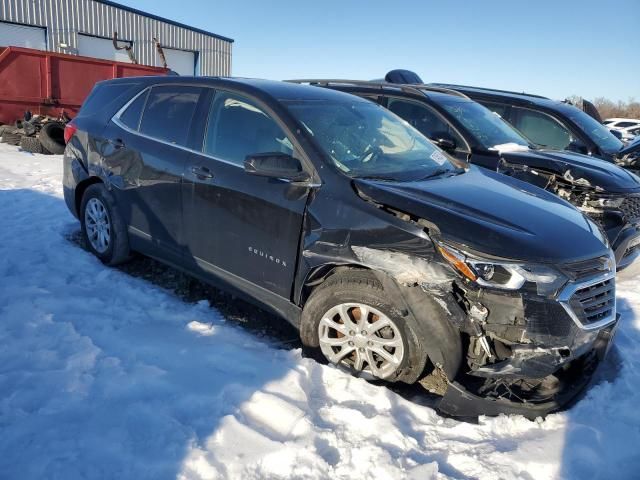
<point>168,113</point>
<point>237,127</point>
<point>541,128</point>
<point>131,116</point>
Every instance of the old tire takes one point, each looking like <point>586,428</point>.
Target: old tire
<point>31,144</point>
<point>52,137</point>
<point>329,335</point>
<point>103,228</point>
<point>11,136</point>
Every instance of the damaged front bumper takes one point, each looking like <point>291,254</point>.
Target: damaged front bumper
<point>571,378</point>
<point>532,354</point>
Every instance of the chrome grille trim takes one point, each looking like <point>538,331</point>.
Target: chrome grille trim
<point>607,282</point>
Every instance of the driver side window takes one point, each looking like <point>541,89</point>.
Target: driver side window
<point>237,127</point>
<point>425,120</point>
<point>541,128</point>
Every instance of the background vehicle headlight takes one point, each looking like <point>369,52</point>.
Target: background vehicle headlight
<point>503,275</point>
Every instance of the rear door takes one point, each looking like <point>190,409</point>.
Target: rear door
<point>145,153</point>
<point>241,227</point>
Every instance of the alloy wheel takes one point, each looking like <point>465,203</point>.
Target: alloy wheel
<point>97,225</point>
<point>362,338</point>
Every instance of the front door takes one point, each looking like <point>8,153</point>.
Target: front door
<point>240,226</point>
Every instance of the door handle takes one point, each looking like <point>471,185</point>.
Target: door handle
<point>202,173</point>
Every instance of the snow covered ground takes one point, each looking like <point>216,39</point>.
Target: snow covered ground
<point>103,375</point>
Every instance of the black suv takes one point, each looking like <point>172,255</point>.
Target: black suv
<point>471,132</point>
<point>392,258</point>
<point>555,124</point>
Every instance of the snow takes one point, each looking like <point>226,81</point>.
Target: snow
<point>509,147</point>
<point>103,375</point>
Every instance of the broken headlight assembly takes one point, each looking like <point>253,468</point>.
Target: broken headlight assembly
<point>613,203</point>
<point>490,273</point>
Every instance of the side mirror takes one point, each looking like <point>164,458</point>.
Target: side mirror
<point>578,147</point>
<point>444,141</point>
<point>275,165</point>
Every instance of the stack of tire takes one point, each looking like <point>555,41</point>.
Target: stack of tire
<point>35,136</point>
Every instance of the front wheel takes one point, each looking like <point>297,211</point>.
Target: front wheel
<point>102,226</point>
<point>351,323</point>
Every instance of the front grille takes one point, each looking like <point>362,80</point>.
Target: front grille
<point>631,208</point>
<point>594,303</point>
<point>590,296</point>
<point>577,271</point>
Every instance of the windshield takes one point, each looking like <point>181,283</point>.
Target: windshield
<point>365,140</point>
<point>487,127</point>
<point>597,132</point>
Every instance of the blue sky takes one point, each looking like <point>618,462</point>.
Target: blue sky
<point>553,48</point>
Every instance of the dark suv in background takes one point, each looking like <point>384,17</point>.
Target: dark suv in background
<point>394,260</point>
<point>472,133</point>
<point>555,124</point>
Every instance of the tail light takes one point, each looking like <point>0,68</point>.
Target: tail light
<point>69,131</point>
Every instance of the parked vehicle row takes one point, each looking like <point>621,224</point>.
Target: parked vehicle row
<point>467,130</point>
<point>396,256</point>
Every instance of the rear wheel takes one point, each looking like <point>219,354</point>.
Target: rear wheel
<point>349,321</point>
<point>102,226</point>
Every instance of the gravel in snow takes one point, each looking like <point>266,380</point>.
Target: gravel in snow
<point>104,375</point>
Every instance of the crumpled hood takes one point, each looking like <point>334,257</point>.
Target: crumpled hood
<point>579,168</point>
<point>494,214</point>
<point>632,147</point>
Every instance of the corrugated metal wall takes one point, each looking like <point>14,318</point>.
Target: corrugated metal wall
<point>64,19</point>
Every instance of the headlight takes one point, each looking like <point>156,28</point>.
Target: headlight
<point>503,275</point>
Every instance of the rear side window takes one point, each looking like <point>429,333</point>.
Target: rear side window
<point>541,128</point>
<point>168,112</point>
<point>103,95</point>
<point>237,127</point>
<point>131,116</point>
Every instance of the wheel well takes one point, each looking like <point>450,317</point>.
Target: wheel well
<point>81,188</point>
<point>319,274</point>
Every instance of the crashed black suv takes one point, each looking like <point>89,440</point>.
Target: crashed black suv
<point>392,258</point>
<point>555,124</point>
<point>610,195</point>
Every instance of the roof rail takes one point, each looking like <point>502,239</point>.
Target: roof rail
<point>453,86</point>
<point>417,89</point>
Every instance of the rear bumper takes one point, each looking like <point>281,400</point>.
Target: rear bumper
<point>73,173</point>
<point>458,401</point>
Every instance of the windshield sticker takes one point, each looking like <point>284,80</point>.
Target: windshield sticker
<point>438,157</point>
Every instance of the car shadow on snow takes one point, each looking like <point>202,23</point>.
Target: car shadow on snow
<point>103,375</point>
<point>603,427</point>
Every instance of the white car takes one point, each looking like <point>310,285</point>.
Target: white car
<point>621,123</point>
<point>630,133</point>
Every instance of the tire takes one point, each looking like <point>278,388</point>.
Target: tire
<point>98,204</point>
<point>31,144</point>
<point>350,292</point>
<point>52,137</point>
<point>11,136</point>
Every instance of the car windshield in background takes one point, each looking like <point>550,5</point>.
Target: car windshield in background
<point>367,141</point>
<point>486,126</point>
<point>597,132</point>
